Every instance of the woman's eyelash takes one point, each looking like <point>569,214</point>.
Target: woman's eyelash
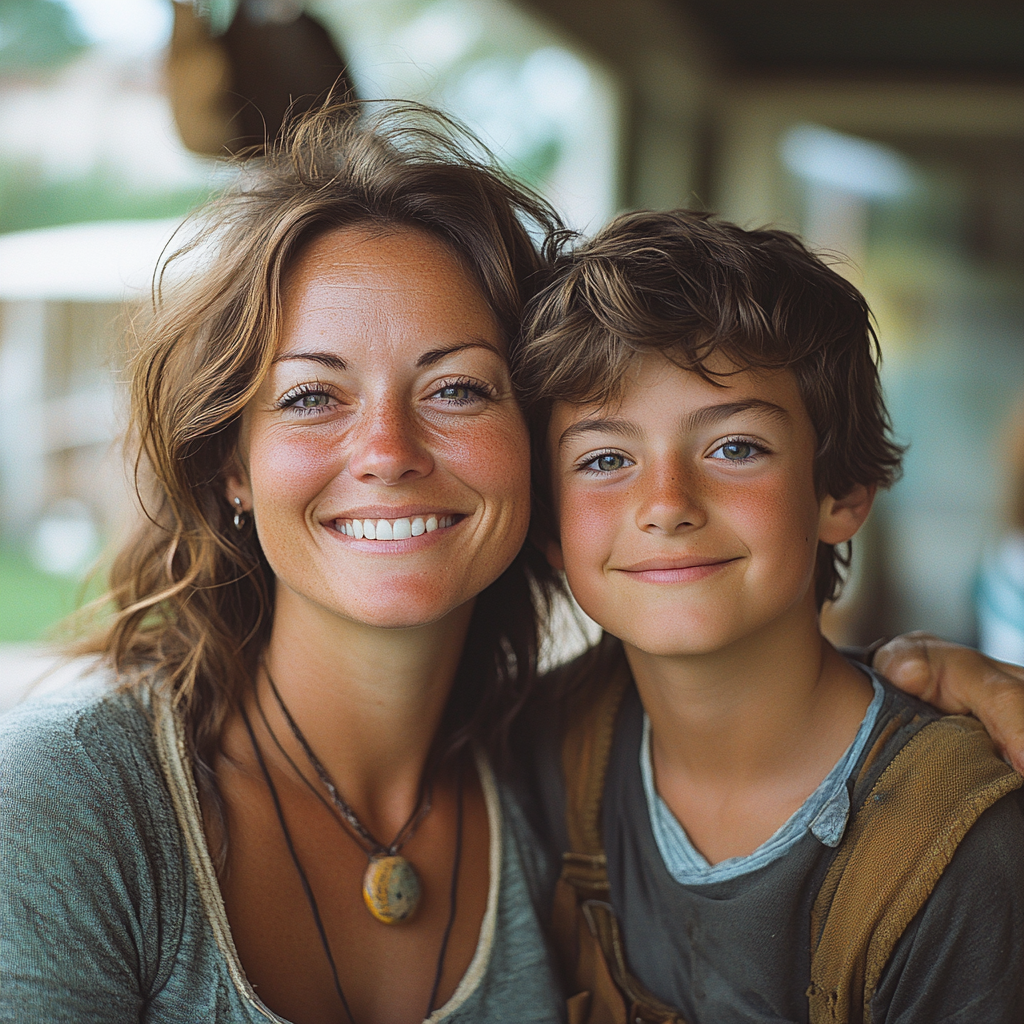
<point>288,400</point>
<point>478,389</point>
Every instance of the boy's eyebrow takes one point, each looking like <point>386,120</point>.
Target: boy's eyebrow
<point>705,417</point>
<point>711,414</point>
<point>605,425</point>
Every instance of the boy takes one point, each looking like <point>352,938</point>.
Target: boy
<point>757,829</point>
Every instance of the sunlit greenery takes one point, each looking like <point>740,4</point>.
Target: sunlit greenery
<point>36,34</point>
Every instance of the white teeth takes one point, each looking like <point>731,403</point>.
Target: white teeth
<point>392,529</point>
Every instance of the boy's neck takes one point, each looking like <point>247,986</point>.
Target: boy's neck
<point>742,736</point>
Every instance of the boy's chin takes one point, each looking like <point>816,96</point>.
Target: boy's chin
<point>673,642</point>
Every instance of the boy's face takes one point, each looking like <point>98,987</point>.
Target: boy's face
<point>687,512</point>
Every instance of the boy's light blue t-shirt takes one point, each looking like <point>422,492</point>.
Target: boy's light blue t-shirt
<point>110,911</point>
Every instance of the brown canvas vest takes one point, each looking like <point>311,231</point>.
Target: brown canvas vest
<point>896,846</point>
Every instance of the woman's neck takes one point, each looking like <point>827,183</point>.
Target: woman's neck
<point>369,701</point>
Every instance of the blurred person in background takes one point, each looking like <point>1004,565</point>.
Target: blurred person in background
<point>1000,593</point>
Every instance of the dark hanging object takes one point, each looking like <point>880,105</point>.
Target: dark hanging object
<point>231,92</point>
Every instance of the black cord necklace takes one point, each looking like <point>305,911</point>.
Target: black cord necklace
<point>307,888</point>
<point>391,886</point>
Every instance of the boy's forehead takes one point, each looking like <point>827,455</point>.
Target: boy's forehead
<point>654,374</point>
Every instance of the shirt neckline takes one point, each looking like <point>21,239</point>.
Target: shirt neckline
<point>171,751</point>
<point>824,813</point>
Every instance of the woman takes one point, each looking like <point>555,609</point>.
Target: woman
<point>270,802</point>
<point>325,617</point>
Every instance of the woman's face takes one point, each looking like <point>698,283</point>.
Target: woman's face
<point>384,458</point>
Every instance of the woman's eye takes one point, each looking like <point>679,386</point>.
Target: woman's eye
<point>608,462</point>
<point>461,393</point>
<point>307,402</point>
<point>455,393</point>
<point>316,401</point>
<point>737,451</point>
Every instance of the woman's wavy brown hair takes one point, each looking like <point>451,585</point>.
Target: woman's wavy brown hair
<point>687,285</point>
<point>193,597</point>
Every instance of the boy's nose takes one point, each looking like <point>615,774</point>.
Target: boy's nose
<point>386,446</point>
<point>670,503</point>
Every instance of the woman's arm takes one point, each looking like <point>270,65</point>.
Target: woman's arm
<point>960,680</point>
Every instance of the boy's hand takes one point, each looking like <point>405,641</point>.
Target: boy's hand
<point>960,680</point>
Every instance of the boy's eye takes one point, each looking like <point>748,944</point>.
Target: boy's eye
<point>607,462</point>
<point>737,451</point>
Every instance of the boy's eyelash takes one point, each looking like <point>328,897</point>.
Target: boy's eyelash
<point>759,447</point>
<point>583,465</point>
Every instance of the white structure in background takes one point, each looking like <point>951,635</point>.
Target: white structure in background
<point>842,175</point>
<point>56,403</point>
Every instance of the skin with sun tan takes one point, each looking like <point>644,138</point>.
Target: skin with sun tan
<point>689,526</point>
<point>389,399</point>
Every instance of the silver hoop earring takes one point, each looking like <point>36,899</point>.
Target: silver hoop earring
<point>240,517</point>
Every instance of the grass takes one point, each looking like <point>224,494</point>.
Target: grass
<point>32,602</point>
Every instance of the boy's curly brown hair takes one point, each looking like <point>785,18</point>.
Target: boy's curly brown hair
<point>688,285</point>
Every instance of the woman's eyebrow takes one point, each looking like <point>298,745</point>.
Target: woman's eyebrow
<point>328,359</point>
<point>435,355</point>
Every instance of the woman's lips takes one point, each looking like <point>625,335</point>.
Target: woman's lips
<point>402,528</point>
<point>660,570</point>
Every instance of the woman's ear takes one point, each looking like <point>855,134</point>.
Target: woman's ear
<point>236,485</point>
<point>841,518</point>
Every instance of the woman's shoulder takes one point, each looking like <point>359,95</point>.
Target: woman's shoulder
<point>87,746</point>
<point>88,714</point>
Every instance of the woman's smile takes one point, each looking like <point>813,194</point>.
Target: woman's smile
<point>387,534</point>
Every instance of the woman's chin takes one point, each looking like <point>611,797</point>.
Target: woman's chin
<point>408,608</point>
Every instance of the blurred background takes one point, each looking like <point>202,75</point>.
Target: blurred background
<point>892,132</point>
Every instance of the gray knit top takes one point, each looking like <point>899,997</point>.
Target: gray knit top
<point>110,909</point>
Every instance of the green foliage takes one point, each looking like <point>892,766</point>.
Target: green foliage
<point>37,35</point>
<point>31,601</point>
<point>27,201</point>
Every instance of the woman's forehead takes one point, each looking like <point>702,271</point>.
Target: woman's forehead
<point>400,288</point>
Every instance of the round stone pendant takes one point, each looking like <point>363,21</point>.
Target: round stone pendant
<point>391,888</point>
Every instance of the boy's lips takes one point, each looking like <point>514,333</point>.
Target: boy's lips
<point>674,570</point>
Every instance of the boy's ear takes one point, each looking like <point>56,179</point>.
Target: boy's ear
<point>841,518</point>
<point>553,553</point>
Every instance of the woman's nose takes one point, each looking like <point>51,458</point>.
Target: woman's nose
<point>670,501</point>
<point>387,446</point>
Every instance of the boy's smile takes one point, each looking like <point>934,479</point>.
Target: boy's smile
<point>687,511</point>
